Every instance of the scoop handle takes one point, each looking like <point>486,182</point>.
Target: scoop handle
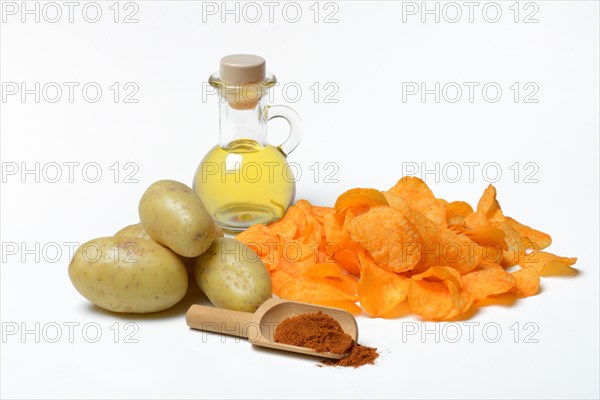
<point>220,320</point>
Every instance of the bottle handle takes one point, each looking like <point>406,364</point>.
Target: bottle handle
<point>293,119</point>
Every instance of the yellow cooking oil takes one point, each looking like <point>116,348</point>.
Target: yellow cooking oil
<point>245,183</point>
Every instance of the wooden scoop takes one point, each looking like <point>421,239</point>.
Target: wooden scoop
<point>259,327</point>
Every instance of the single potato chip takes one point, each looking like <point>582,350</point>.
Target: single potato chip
<point>456,212</point>
<point>547,264</point>
<point>527,282</point>
<point>336,274</point>
<point>538,239</point>
<point>379,290</point>
<point>514,243</point>
<point>486,236</point>
<point>348,260</point>
<point>460,301</point>
<point>395,201</point>
<point>488,205</point>
<point>442,273</point>
<point>488,282</point>
<point>360,198</point>
<point>389,237</point>
<point>417,195</point>
<point>460,252</point>
<point>431,300</point>
<point>488,224</point>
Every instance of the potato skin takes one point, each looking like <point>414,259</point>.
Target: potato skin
<point>219,231</point>
<point>135,230</point>
<point>138,231</point>
<point>174,216</point>
<point>131,275</point>
<point>232,276</point>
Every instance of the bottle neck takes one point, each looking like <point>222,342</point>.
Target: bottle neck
<point>242,123</point>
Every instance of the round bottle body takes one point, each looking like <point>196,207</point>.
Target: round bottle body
<point>245,183</point>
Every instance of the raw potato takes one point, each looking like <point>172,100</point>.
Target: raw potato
<point>128,274</point>
<point>138,231</point>
<point>232,276</point>
<point>173,215</point>
<point>135,231</point>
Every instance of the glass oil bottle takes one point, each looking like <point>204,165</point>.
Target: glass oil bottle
<point>244,180</point>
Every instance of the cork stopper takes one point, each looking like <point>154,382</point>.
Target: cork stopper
<point>243,69</point>
<point>243,75</point>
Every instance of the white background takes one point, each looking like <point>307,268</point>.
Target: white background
<point>370,133</point>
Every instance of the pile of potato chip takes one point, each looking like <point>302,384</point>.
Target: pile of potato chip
<point>382,248</point>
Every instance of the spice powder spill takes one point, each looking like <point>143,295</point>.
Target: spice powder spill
<point>322,333</point>
<point>359,356</point>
